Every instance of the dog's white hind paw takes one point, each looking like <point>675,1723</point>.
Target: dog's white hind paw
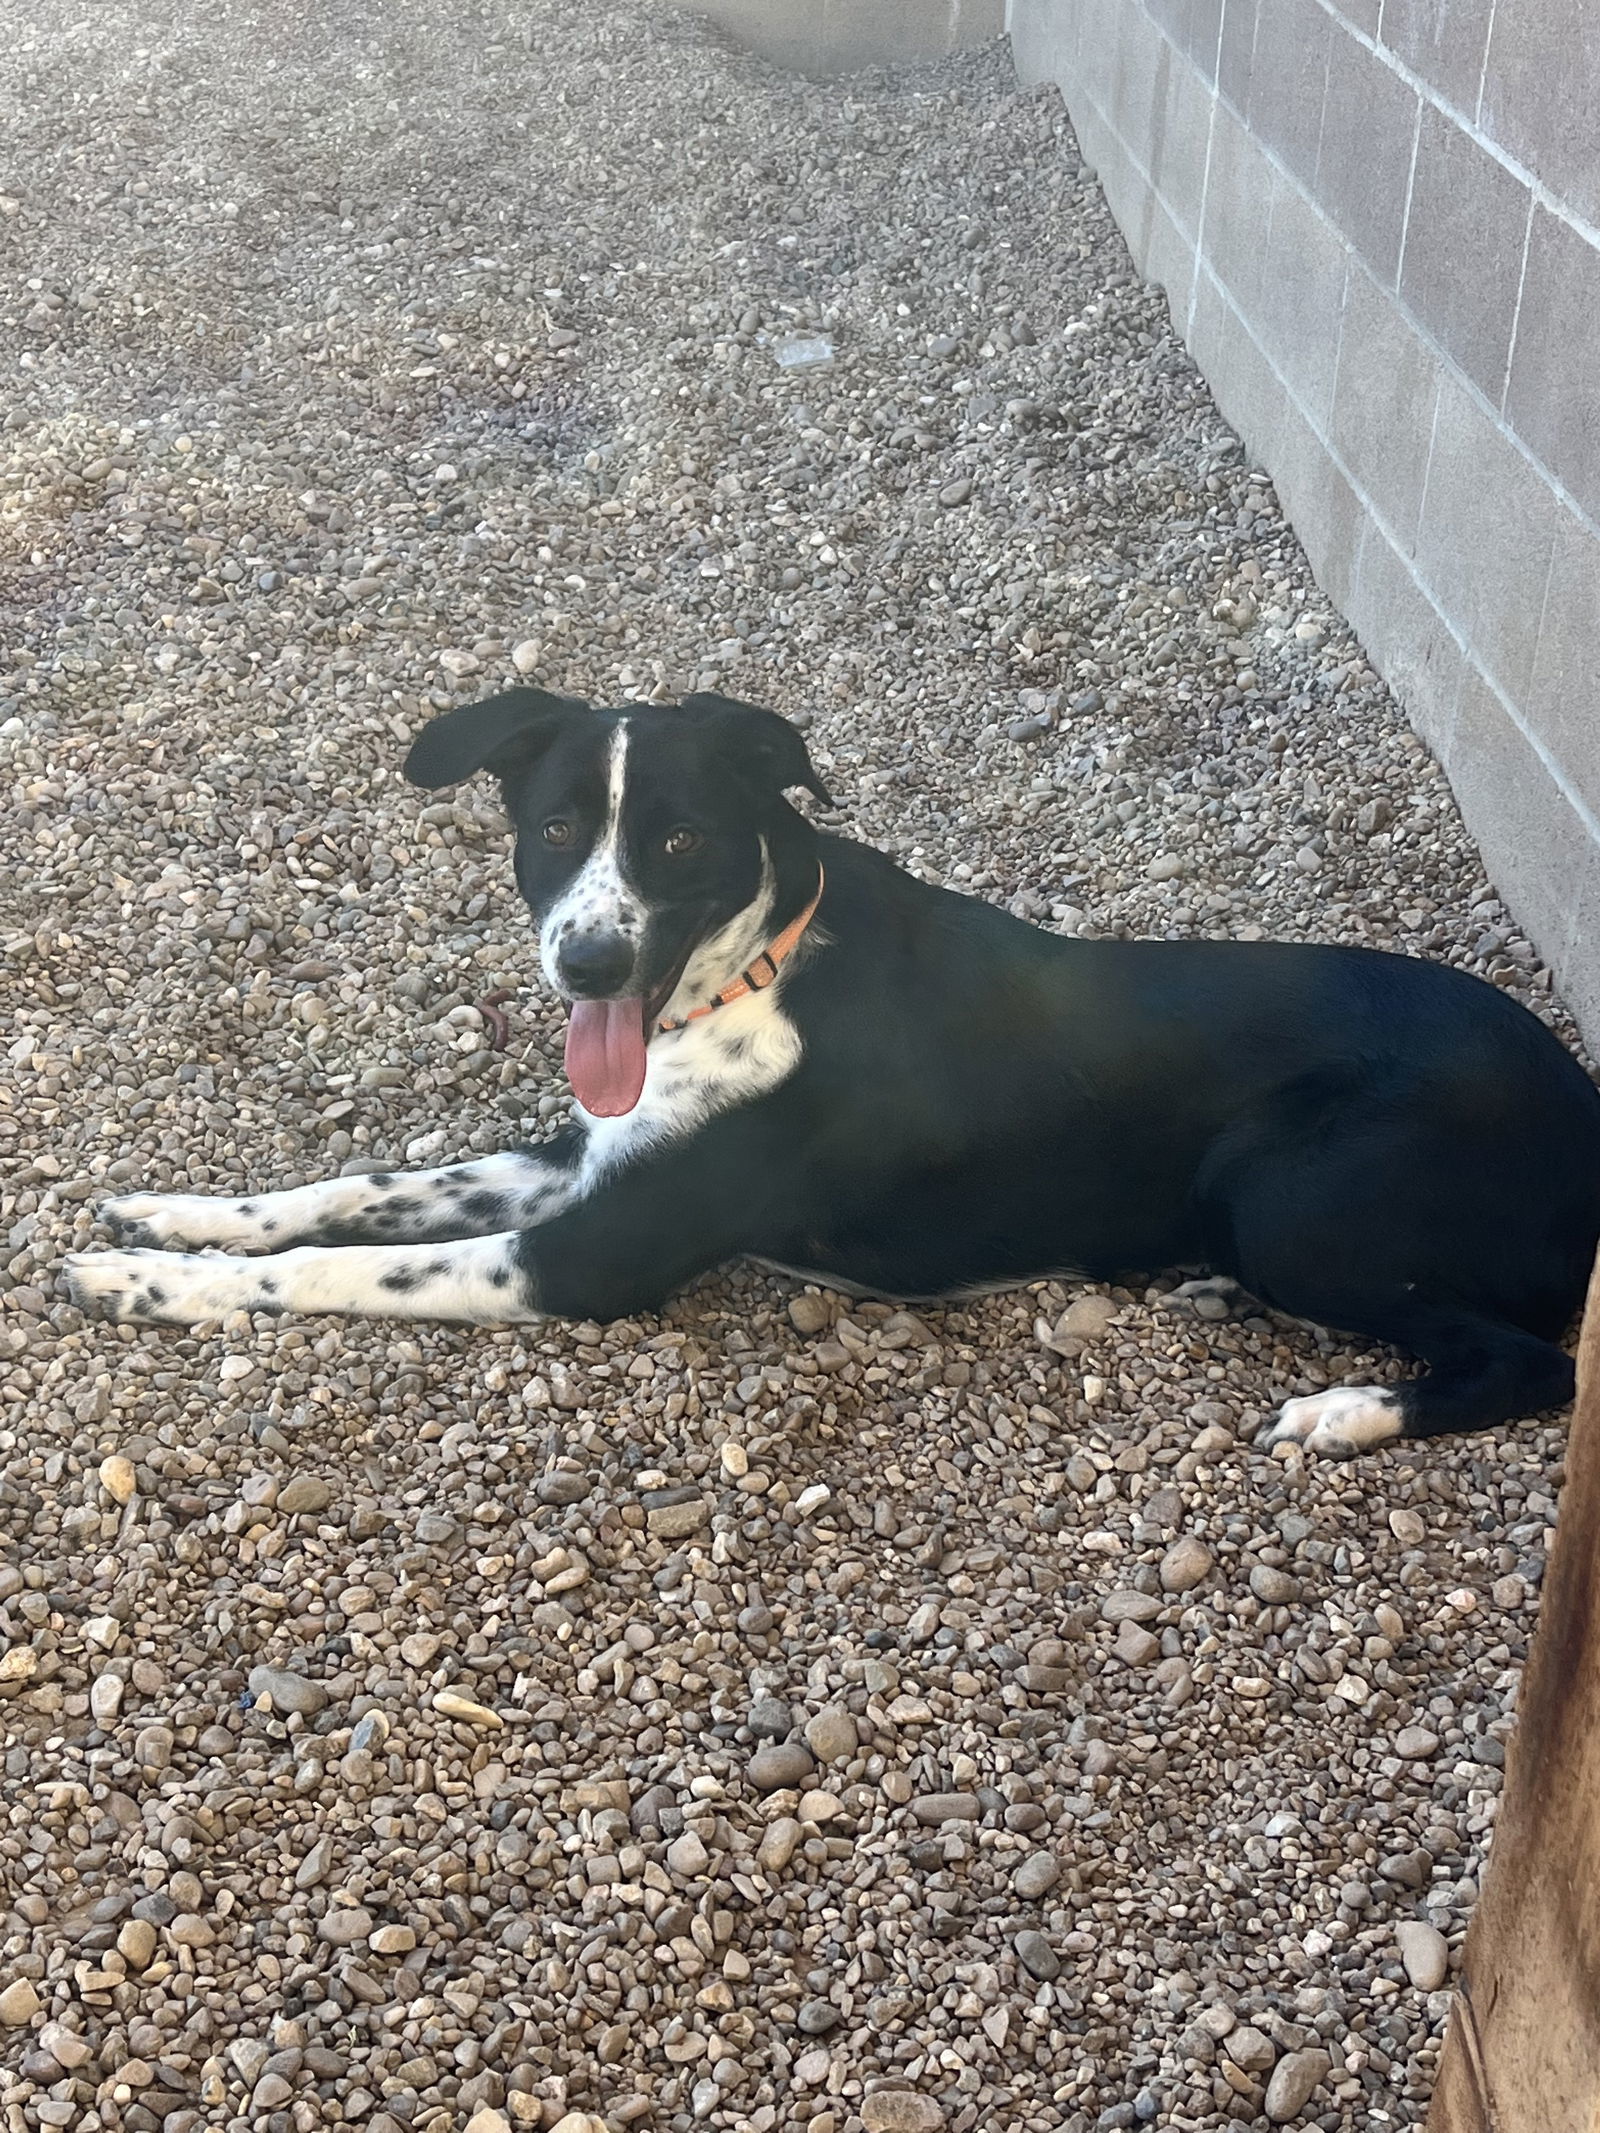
<point>1214,1296</point>
<point>1339,1424</point>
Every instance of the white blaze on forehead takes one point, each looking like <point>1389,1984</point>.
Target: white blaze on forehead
<point>599,899</point>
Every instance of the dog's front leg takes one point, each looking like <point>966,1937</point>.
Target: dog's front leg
<point>478,1281</point>
<point>482,1198</point>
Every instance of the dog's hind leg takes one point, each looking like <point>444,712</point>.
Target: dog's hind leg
<point>496,1192</point>
<point>1358,1199</point>
<point>476,1281</point>
<point>1480,1374</point>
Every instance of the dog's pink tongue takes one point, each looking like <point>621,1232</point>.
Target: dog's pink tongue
<point>605,1055</point>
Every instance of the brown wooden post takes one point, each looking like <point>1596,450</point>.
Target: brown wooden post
<point>1523,2050</point>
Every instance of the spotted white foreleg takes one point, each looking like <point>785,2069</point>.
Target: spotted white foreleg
<point>477,1281</point>
<point>497,1192</point>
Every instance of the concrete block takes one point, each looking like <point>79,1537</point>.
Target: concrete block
<point>1537,847</point>
<point>1464,244</point>
<point>1094,70</point>
<point>1405,637</point>
<point>1181,143</point>
<point>1194,27</point>
<point>1541,94</point>
<point>1044,39</point>
<point>1096,140</point>
<point>1288,70</point>
<point>1483,544</point>
<point>1300,301</point>
<point>1142,60</point>
<point>827,37</point>
<point>1326,512</point>
<point>1241,187</point>
<point>1166,257</point>
<point>1236,52</point>
<point>1442,40</point>
<point>1240,377</point>
<point>1561,700</point>
<point>1550,394</point>
<point>1369,123</point>
<point>1383,399</point>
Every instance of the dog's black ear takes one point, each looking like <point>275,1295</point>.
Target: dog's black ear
<point>761,744</point>
<point>487,736</point>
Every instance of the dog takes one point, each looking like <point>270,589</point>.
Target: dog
<point>783,1047</point>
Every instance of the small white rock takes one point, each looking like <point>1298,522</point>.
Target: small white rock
<point>1425,1953</point>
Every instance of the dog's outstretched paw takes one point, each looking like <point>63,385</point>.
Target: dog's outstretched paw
<point>166,1288</point>
<point>1340,1424</point>
<point>150,1221</point>
<point>120,1286</point>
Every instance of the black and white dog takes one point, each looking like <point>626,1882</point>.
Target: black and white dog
<point>784,1047</point>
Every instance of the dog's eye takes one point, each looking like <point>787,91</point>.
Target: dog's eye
<point>680,842</point>
<point>557,832</point>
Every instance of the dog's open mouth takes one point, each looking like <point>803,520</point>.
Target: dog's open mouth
<point>606,1054</point>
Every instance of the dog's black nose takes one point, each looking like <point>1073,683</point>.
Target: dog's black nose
<point>595,966</point>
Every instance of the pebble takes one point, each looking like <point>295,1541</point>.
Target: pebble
<point>1250,2050</point>
<point>306,1492</point>
<point>19,2003</point>
<point>779,1842</point>
<point>809,1313</point>
<point>1128,1606</point>
<point>785,1763</point>
<point>119,1478</point>
<point>1407,1528</point>
<point>137,1942</point>
<point>1088,1317</point>
<point>1416,1743</point>
<point>1425,1953</point>
<point>1036,1956</point>
<point>900,2111</point>
<point>687,1856</point>
<point>344,1925</point>
<point>288,1691</point>
<point>831,1735</point>
<point>105,1698</point>
<point>1036,1876</point>
<point>1186,1564</point>
<point>452,1705</point>
<point>1135,1646</point>
<point>1295,2079</point>
<point>769,1719</point>
<point>934,1808</point>
<point>676,1521</point>
<point>1274,1588</point>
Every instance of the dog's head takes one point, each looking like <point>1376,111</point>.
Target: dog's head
<point>642,834</point>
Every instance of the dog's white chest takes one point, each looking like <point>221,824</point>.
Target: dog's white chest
<point>731,1056</point>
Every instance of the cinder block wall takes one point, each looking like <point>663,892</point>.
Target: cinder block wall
<point>838,36</point>
<point>1378,226</point>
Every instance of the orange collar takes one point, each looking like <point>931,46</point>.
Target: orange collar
<point>760,973</point>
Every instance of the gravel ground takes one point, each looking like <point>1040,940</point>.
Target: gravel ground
<point>787,1713</point>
